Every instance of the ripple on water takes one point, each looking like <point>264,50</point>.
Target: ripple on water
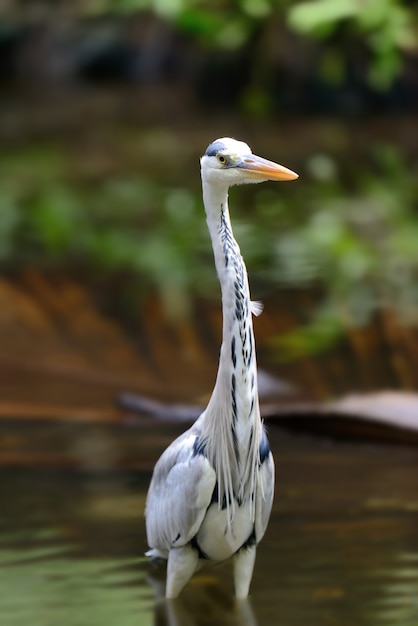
<point>398,605</point>
<point>50,583</point>
<point>341,548</point>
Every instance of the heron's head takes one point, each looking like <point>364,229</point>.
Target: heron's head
<point>231,162</point>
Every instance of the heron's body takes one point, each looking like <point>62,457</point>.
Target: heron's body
<point>212,489</point>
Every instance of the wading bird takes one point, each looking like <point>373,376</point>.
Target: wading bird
<point>211,492</point>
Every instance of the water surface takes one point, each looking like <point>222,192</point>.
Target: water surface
<point>341,548</point>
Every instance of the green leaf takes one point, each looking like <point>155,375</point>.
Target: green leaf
<point>309,17</point>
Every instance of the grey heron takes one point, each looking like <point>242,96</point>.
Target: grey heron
<point>211,491</point>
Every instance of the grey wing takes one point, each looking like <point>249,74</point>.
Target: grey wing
<point>180,492</point>
<point>264,497</point>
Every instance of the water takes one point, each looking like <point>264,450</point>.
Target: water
<point>341,549</point>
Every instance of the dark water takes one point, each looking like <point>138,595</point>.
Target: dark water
<point>341,549</point>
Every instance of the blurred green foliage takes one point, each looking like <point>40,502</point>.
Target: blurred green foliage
<point>388,28</point>
<point>352,235</point>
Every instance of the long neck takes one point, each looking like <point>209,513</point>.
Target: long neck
<point>233,407</point>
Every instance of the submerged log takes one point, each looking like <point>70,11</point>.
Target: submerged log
<point>66,358</point>
<point>388,416</point>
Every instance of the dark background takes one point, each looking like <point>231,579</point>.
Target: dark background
<point>107,281</point>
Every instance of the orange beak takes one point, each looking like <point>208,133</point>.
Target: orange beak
<point>266,170</point>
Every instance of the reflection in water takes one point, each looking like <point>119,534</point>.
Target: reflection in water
<point>399,604</point>
<point>341,549</point>
<point>204,603</point>
<point>47,582</point>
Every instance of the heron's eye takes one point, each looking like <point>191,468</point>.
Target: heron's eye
<point>221,159</point>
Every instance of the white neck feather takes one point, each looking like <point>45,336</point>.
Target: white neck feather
<point>231,423</point>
